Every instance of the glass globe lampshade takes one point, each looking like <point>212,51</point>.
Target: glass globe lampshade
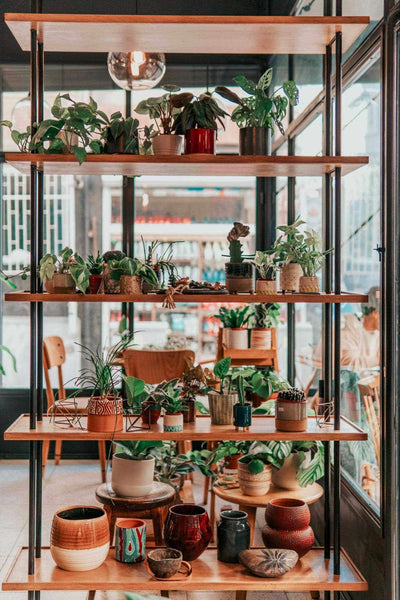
<point>21,113</point>
<point>136,70</point>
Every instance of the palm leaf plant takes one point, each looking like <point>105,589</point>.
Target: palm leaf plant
<point>11,355</point>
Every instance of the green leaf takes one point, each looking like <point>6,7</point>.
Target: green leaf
<point>265,80</point>
<point>203,410</point>
<point>256,466</point>
<point>13,359</point>
<point>80,154</point>
<point>222,367</point>
<point>246,84</point>
<point>96,146</point>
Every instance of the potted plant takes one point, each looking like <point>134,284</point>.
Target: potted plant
<point>266,268</point>
<point>311,261</point>
<point>170,466</point>
<point>194,383</point>
<point>120,135</point>
<point>265,385</point>
<point>130,272</point>
<point>242,409</point>
<point>198,122</point>
<point>160,260</point>
<point>95,266</point>
<point>102,378</point>
<point>265,316</point>
<point>221,401</point>
<point>111,286</point>
<point>289,249</point>
<point>234,332</point>
<point>255,470</point>
<point>229,452</point>
<point>239,274</point>
<point>133,468</point>
<point>257,114</point>
<point>291,410</point>
<point>163,111</point>
<point>296,464</point>
<point>64,274</point>
<point>174,406</point>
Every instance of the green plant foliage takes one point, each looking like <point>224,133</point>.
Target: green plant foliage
<point>95,264</point>
<point>235,247</point>
<point>265,263</point>
<point>221,368</point>
<point>68,262</point>
<point>234,317</point>
<point>310,454</point>
<point>137,450</point>
<point>202,111</point>
<point>313,256</point>
<point>265,315</point>
<point>116,127</point>
<point>164,109</point>
<point>169,464</point>
<point>11,355</point>
<point>132,266</point>
<point>290,246</point>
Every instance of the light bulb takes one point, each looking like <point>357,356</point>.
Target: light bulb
<point>21,113</point>
<point>136,70</point>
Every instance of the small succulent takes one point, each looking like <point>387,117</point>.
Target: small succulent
<point>292,394</point>
<point>95,264</point>
<point>113,255</point>
<point>235,247</point>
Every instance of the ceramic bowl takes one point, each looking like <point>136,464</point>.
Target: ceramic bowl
<point>164,562</point>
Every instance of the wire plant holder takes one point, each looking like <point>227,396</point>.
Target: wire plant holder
<point>324,413</point>
<point>65,412</point>
<point>131,421</point>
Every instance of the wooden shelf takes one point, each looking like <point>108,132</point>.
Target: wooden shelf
<point>184,34</point>
<point>311,573</point>
<point>193,164</point>
<point>203,298</point>
<point>263,428</point>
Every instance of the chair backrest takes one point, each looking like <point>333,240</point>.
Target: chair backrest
<point>369,392</point>
<point>53,356</point>
<point>155,366</point>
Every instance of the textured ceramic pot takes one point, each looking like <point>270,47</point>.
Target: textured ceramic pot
<point>266,286</point>
<point>221,407</point>
<point>105,415</point>
<point>189,415</point>
<point>261,338</point>
<point>233,535</point>
<point>164,562</point>
<point>290,416</point>
<point>111,286</point>
<point>94,283</point>
<point>290,277</point>
<point>273,562</point>
<point>200,141</point>
<point>167,144</point>
<point>238,338</point>
<point>254,141</point>
<point>150,414</point>
<point>132,478</point>
<point>63,283</point>
<point>188,529</point>
<point>173,422</point>
<point>242,415</point>
<point>80,538</point>
<point>254,484</point>
<point>239,277</point>
<point>130,284</point>
<point>130,540</point>
<point>288,525</point>
<point>309,285</point>
<point>286,476</point>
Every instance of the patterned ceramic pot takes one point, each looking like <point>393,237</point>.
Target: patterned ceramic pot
<point>288,525</point>
<point>132,478</point>
<point>130,540</point>
<point>130,284</point>
<point>80,538</point>
<point>221,407</point>
<point>233,535</point>
<point>254,484</point>
<point>266,286</point>
<point>105,415</point>
<point>188,529</point>
<point>261,338</point>
<point>290,277</point>
<point>239,277</point>
<point>173,422</point>
<point>290,416</point>
<point>309,285</point>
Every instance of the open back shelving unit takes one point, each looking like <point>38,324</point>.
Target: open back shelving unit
<point>328,568</point>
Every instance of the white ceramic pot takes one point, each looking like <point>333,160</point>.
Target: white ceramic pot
<point>290,277</point>
<point>238,338</point>
<point>309,285</point>
<point>261,338</point>
<point>173,422</point>
<point>266,286</point>
<point>167,144</point>
<point>254,485</point>
<point>286,476</point>
<point>132,478</point>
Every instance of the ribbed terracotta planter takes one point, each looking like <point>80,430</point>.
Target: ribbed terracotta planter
<point>290,277</point>
<point>288,525</point>
<point>266,286</point>
<point>80,538</point>
<point>309,285</point>
<point>63,283</point>
<point>173,422</point>
<point>130,284</point>
<point>290,416</point>
<point>254,485</point>
<point>238,338</point>
<point>105,415</point>
<point>132,478</point>
<point>167,145</point>
<point>221,408</point>
<point>261,338</point>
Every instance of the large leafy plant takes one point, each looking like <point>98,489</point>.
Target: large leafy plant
<point>258,456</point>
<point>164,109</point>
<point>67,262</point>
<point>202,112</point>
<point>310,454</point>
<point>169,464</point>
<point>234,317</point>
<point>313,256</point>
<point>290,246</point>
<point>137,450</point>
<point>259,109</point>
<point>132,266</point>
<point>117,127</point>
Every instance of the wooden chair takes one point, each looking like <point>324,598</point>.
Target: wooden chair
<point>54,356</point>
<point>155,366</point>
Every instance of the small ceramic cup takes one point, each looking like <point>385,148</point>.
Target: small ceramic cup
<point>130,540</point>
<point>166,562</point>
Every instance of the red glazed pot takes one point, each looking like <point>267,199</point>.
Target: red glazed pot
<point>94,283</point>
<point>188,529</point>
<point>200,141</point>
<point>151,414</point>
<point>288,526</point>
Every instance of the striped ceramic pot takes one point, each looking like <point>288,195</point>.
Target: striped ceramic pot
<point>80,538</point>
<point>254,484</point>
<point>173,422</point>
<point>221,407</point>
<point>130,540</point>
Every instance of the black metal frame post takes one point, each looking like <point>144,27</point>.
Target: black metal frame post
<point>128,221</point>
<point>291,216</point>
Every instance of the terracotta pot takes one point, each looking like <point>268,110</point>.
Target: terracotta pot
<point>173,422</point>
<point>286,476</point>
<point>94,283</point>
<point>309,285</point>
<point>254,141</point>
<point>130,284</point>
<point>188,529</point>
<point>242,415</point>
<point>189,415</point>
<point>288,525</point>
<point>105,415</point>
<point>221,407</point>
<point>261,338</point>
<point>254,485</point>
<point>231,462</point>
<point>266,286</point>
<point>238,338</point>
<point>290,277</point>
<point>151,415</point>
<point>290,416</point>
<point>200,141</point>
<point>257,400</point>
<point>80,538</point>
<point>239,277</point>
<point>167,144</point>
<point>63,283</point>
<point>111,286</point>
<point>48,286</point>
<point>132,478</point>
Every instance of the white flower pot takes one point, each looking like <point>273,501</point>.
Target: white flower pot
<point>167,145</point>
<point>173,422</point>
<point>132,478</point>
<point>238,338</point>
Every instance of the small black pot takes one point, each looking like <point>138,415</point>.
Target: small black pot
<point>254,141</point>
<point>242,415</point>
<point>239,277</point>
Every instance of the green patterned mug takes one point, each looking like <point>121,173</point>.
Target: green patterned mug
<point>130,540</point>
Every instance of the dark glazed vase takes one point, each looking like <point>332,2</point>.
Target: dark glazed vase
<point>288,525</point>
<point>200,141</point>
<point>187,529</point>
<point>189,415</point>
<point>242,415</point>
<point>150,415</point>
<point>233,535</point>
<point>254,141</point>
<point>94,283</point>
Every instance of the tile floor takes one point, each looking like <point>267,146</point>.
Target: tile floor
<point>74,482</point>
